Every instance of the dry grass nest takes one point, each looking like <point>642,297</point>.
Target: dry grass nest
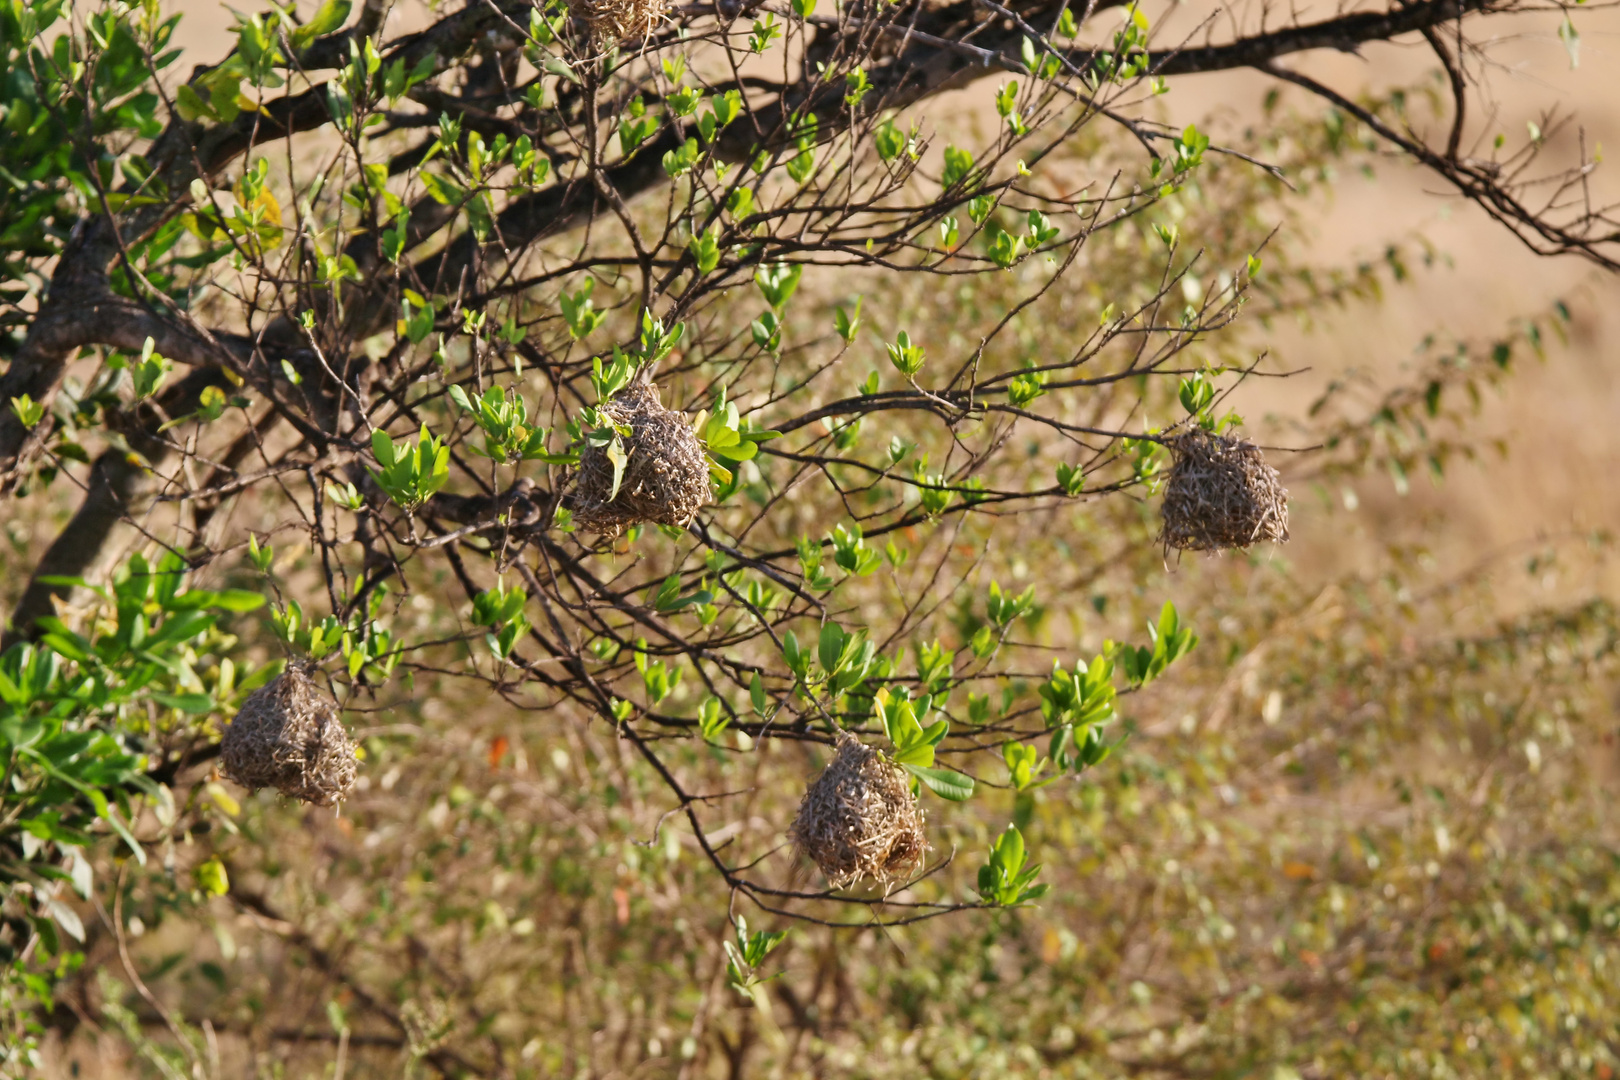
<point>288,736</point>
<point>860,819</point>
<point>1221,494</point>
<point>666,472</point>
<point>612,21</point>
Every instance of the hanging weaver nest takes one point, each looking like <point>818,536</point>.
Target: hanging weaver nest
<point>612,21</point>
<point>860,819</point>
<point>666,474</point>
<point>1221,494</point>
<point>288,736</point>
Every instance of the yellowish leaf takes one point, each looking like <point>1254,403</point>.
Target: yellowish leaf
<point>223,799</point>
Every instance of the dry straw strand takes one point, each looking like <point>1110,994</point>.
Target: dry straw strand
<point>860,819</point>
<point>666,472</point>
<point>612,21</point>
<point>1221,495</point>
<point>287,736</point>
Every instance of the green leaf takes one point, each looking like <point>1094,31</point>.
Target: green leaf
<point>192,106</point>
<point>616,455</point>
<point>705,249</point>
<point>955,786</point>
<point>28,411</point>
<point>179,628</point>
<point>958,165</point>
<point>69,581</point>
<point>327,18</point>
<point>829,645</point>
<point>1572,41</point>
<point>69,646</point>
<point>195,704</point>
<point>742,450</point>
<point>211,877</point>
<point>444,192</point>
<point>383,447</point>
<point>916,755</point>
<point>889,140</point>
<point>740,203</point>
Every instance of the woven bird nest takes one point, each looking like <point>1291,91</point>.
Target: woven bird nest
<point>612,21</point>
<point>1221,495</point>
<point>860,819</point>
<point>666,474</point>
<point>288,736</point>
